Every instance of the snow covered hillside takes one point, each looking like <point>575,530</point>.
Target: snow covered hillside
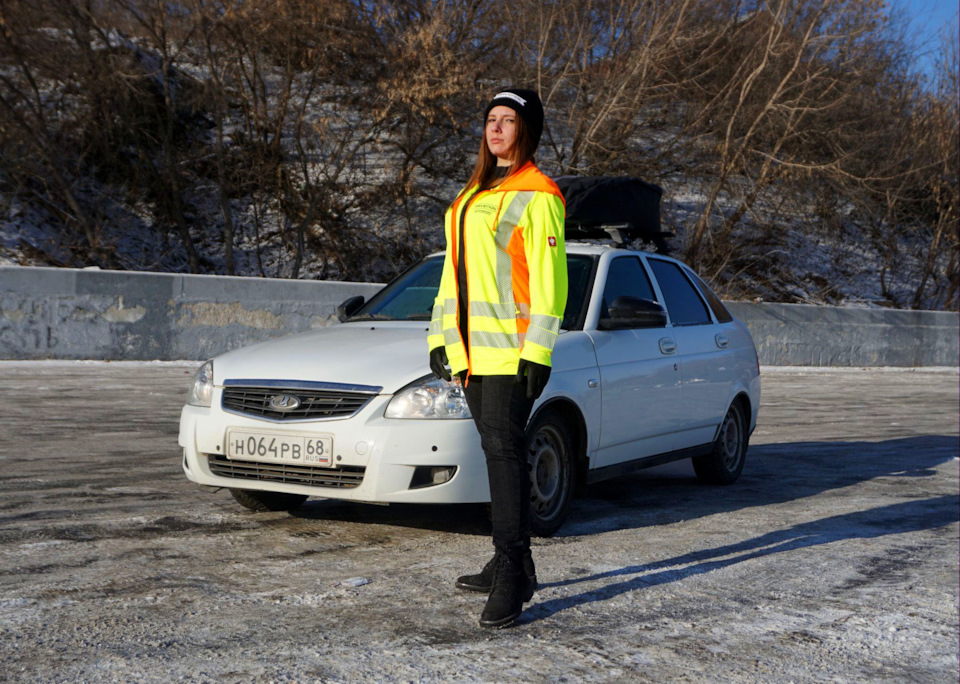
<point>326,142</point>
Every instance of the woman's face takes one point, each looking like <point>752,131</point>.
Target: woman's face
<point>501,134</point>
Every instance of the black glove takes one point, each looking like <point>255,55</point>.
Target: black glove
<point>438,362</point>
<point>536,377</point>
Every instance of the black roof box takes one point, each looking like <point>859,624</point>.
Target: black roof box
<point>620,208</point>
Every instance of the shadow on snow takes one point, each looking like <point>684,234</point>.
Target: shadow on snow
<point>774,473</point>
<point>899,518</point>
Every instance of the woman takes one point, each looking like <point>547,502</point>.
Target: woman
<point>495,321</point>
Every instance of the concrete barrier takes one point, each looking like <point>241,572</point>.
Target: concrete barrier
<point>50,313</point>
<point>56,313</point>
<point>808,335</point>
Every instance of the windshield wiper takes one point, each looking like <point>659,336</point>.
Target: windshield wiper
<point>370,317</point>
<point>419,317</point>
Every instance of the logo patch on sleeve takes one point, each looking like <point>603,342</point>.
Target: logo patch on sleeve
<point>552,241</point>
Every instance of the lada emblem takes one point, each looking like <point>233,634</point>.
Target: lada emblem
<point>284,402</point>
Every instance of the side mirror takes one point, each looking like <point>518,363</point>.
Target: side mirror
<point>633,312</point>
<point>349,307</point>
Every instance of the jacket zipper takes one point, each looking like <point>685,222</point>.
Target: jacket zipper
<point>462,254</point>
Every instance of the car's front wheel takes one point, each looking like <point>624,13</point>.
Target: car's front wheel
<point>266,501</point>
<point>550,461</point>
<point>724,464</point>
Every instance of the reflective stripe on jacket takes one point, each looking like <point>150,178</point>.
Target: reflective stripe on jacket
<point>516,268</point>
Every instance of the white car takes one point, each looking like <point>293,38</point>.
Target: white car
<point>649,367</point>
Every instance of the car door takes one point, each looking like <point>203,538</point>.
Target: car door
<point>640,378</point>
<point>707,363</point>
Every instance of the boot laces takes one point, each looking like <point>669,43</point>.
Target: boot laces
<point>505,567</point>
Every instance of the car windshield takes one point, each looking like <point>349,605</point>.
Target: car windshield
<point>410,296</point>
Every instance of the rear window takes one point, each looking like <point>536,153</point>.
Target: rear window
<point>719,310</point>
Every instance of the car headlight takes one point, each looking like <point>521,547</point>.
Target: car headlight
<point>429,398</point>
<point>201,389</point>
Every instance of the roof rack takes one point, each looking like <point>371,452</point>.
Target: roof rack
<point>615,208</point>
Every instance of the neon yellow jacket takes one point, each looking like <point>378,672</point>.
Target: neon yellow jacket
<point>516,274</point>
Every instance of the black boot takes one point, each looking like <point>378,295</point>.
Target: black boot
<point>510,589</point>
<point>483,581</point>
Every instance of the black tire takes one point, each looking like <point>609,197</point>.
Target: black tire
<point>724,464</point>
<point>550,462</point>
<point>267,501</point>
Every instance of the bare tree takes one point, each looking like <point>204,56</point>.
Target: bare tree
<point>330,135</point>
<point>939,135</point>
<point>433,58</point>
<point>601,68</point>
<point>787,92</point>
<point>210,17</point>
<point>167,33</point>
<point>31,125</point>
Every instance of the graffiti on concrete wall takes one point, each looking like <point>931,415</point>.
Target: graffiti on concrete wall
<point>28,325</point>
<point>60,326</point>
<point>68,314</point>
<point>221,314</point>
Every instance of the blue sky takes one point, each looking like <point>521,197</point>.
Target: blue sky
<point>927,19</point>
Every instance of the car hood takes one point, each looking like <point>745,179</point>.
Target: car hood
<point>387,354</point>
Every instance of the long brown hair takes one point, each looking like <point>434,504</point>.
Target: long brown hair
<point>485,167</point>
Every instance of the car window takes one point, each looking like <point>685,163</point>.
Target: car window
<point>625,277</point>
<point>719,310</point>
<point>579,277</point>
<point>683,303</point>
<point>410,295</point>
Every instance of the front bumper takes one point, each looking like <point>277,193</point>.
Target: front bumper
<point>388,450</point>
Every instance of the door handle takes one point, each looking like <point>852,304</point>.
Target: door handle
<point>722,340</point>
<point>667,346</point>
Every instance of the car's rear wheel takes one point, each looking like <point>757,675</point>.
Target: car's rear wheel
<point>266,501</point>
<point>550,462</point>
<point>725,463</point>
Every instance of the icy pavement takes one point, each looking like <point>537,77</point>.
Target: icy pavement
<point>834,558</point>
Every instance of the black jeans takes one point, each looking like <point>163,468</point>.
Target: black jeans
<point>500,410</point>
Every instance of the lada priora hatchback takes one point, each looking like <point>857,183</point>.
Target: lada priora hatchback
<point>649,367</point>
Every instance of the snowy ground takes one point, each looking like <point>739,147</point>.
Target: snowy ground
<point>834,558</point>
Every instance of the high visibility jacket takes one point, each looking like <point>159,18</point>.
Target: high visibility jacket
<point>516,275</point>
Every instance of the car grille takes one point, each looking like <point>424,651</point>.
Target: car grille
<point>343,477</point>
<point>314,404</point>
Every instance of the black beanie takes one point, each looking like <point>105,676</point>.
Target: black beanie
<point>526,103</point>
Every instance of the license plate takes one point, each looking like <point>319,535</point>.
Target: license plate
<point>283,448</point>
